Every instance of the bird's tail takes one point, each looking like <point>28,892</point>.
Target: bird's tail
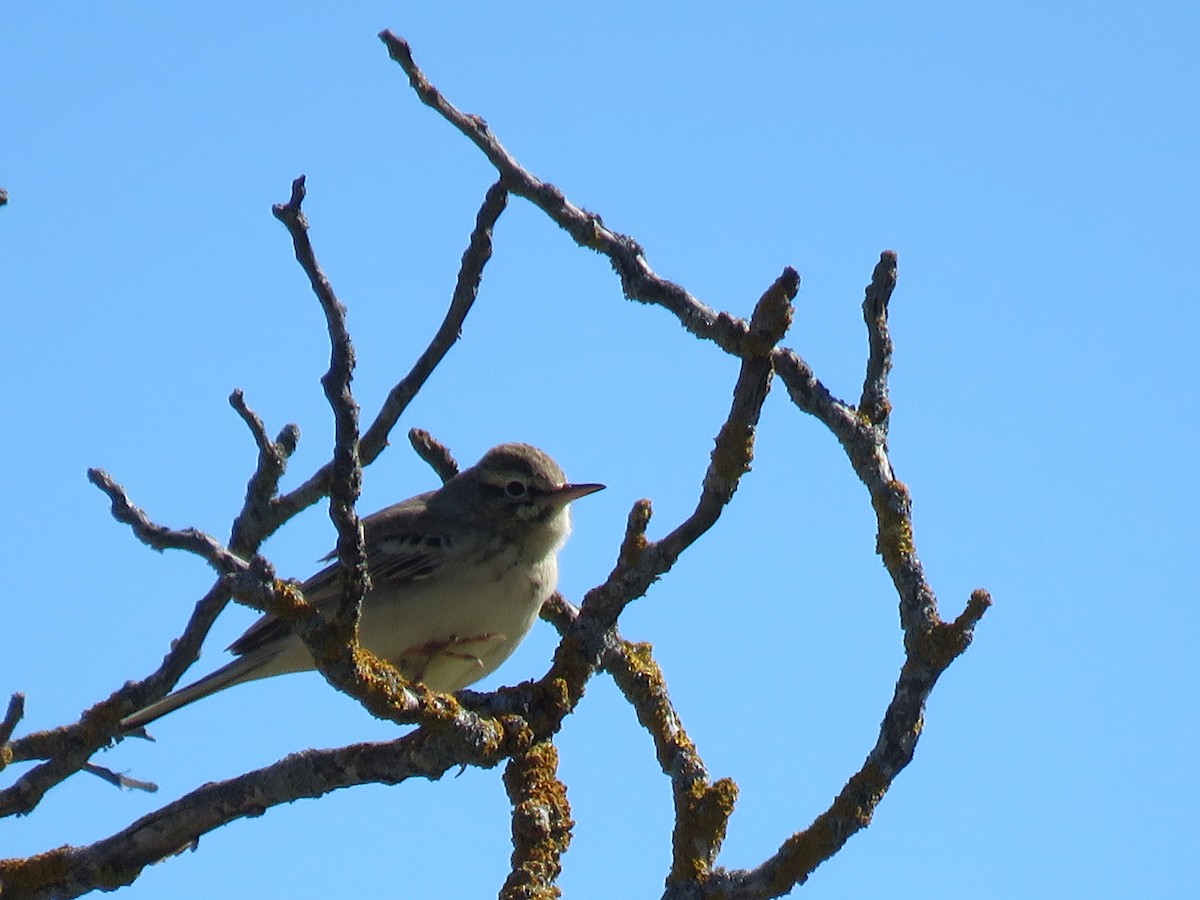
<point>243,669</point>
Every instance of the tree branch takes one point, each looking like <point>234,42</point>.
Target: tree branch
<point>514,723</point>
<point>874,403</point>
<point>433,452</point>
<point>345,473</point>
<point>117,860</point>
<point>479,251</point>
<point>541,823</point>
<point>638,280</point>
<point>248,530</point>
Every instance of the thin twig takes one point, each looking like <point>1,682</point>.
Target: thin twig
<point>434,452</point>
<point>374,439</point>
<point>638,280</point>
<point>642,562</point>
<point>159,537</point>
<point>12,716</point>
<point>702,807</point>
<point>466,289</point>
<point>874,404</point>
<point>345,473</point>
<point>734,449</point>
<point>118,780</point>
<point>247,533</point>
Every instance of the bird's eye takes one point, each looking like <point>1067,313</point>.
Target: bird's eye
<point>515,488</point>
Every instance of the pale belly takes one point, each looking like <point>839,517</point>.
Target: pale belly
<point>460,631</point>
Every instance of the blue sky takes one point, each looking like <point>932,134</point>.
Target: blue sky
<point>1033,166</point>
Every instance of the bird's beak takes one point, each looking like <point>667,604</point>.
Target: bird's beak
<point>569,492</point>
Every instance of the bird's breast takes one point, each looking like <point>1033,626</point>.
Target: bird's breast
<point>467,619</point>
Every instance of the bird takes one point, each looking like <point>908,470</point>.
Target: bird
<point>457,578</point>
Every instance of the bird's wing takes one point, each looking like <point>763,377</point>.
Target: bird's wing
<point>403,546</point>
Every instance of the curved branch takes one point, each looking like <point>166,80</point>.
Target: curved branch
<point>118,860</point>
<point>862,433</point>
<point>854,806</point>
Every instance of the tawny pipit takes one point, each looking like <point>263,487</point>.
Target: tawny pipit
<point>458,576</point>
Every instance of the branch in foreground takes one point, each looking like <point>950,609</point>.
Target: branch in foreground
<point>541,823</point>
<point>118,860</point>
<point>345,472</point>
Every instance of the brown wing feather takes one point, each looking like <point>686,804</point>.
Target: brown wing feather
<point>399,551</point>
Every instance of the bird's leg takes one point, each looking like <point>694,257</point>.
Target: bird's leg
<point>431,650</point>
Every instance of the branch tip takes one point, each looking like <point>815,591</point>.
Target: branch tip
<point>634,543</point>
<point>773,313</point>
<point>978,604</point>
<point>433,452</point>
<point>12,716</point>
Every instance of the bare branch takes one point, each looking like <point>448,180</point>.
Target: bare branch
<point>590,633</point>
<point>874,403</point>
<point>345,473</point>
<point>66,750</point>
<point>118,860</point>
<point>466,289</point>
<point>248,530</point>
<point>641,562</point>
<point>433,452</point>
<point>702,808</point>
<point>12,716</point>
<point>638,280</point>
<point>478,252</point>
<point>118,780</point>
<point>854,806</point>
<point>735,443</point>
<point>862,434</point>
